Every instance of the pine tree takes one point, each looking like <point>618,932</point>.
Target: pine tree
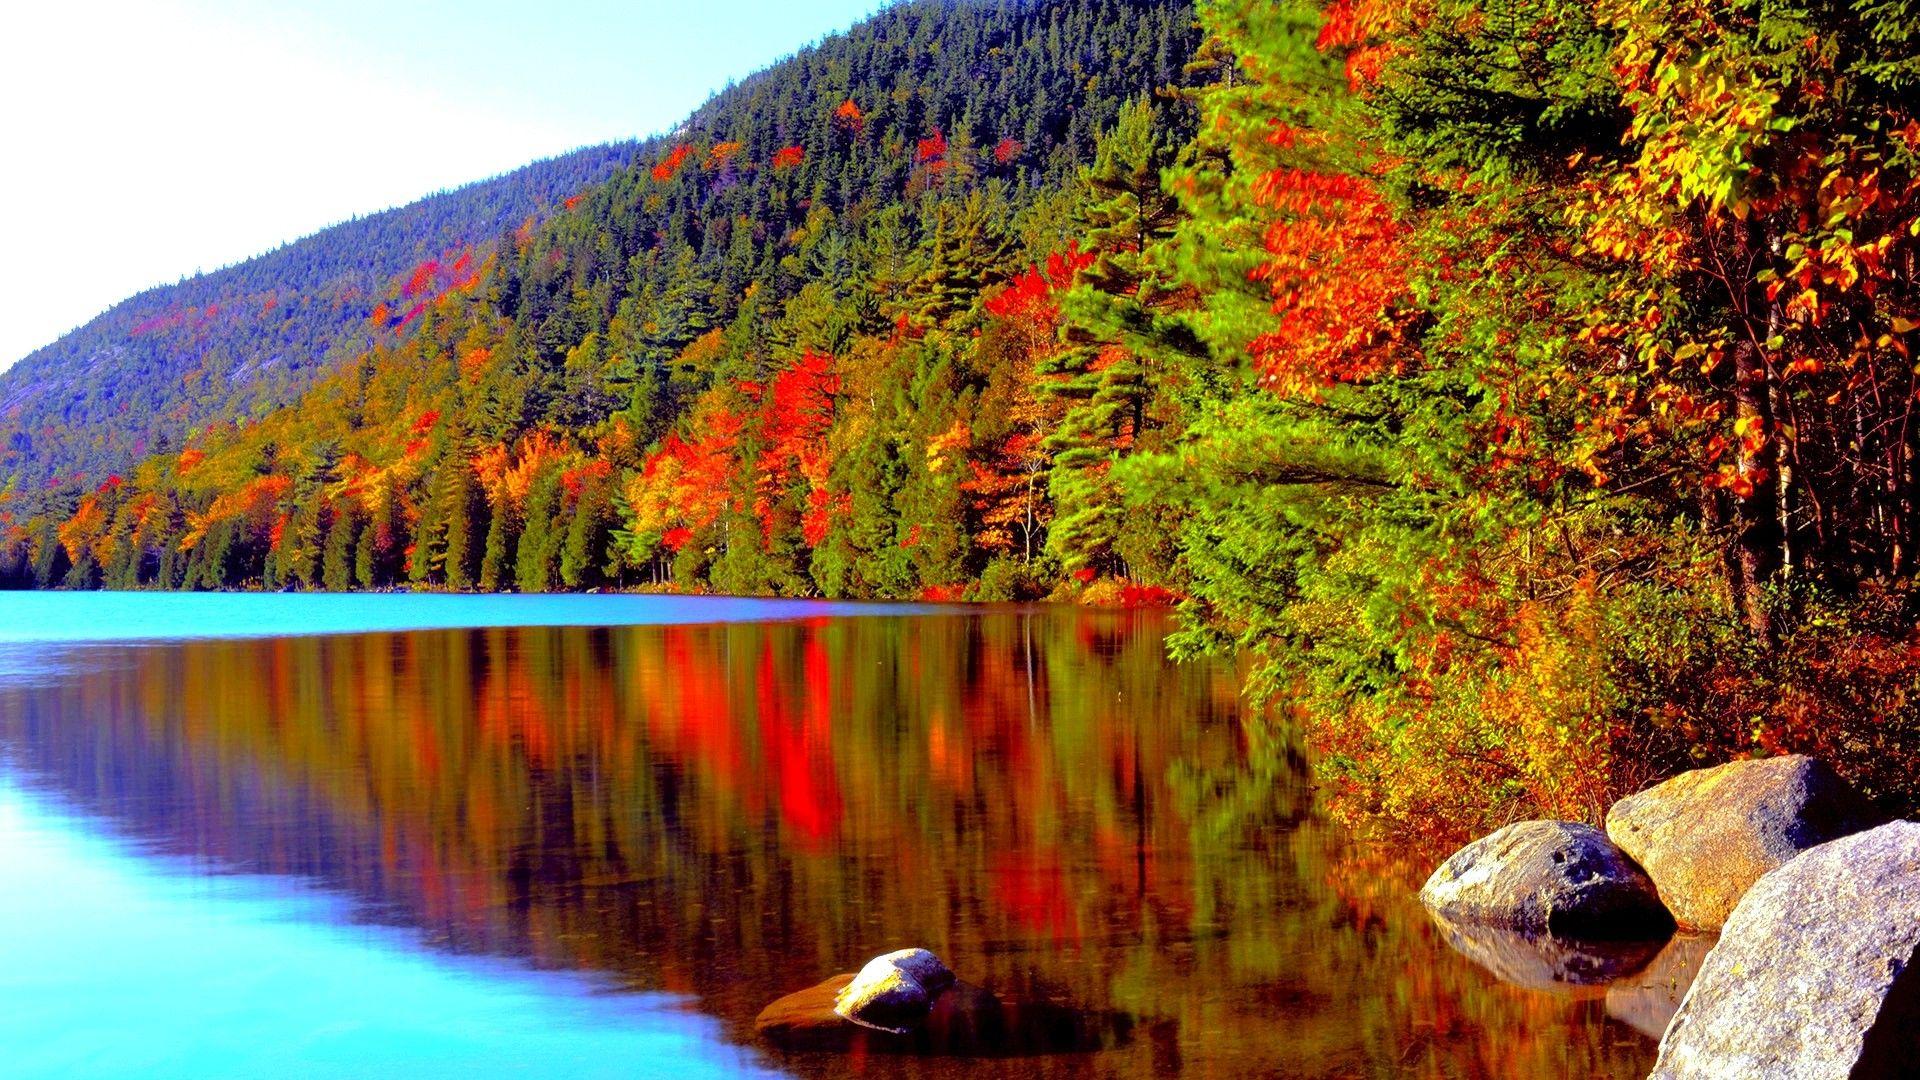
<point>343,539</point>
<point>583,551</point>
<point>1117,315</point>
<point>460,500</point>
<point>496,565</point>
<point>536,558</point>
<point>968,249</point>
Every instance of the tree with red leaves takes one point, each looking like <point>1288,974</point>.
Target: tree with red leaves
<point>848,117</point>
<point>669,166</point>
<point>932,149</point>
<point>797,413</point>
<point>686,487</point>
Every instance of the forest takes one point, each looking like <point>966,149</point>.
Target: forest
<point>1526,391</point>
<point>239,342</point>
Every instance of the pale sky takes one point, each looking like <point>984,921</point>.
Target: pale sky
<point>144,140</point>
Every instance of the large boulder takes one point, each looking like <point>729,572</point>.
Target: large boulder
<point>1539,877</point>
<point>1706,836</point>
<point>894,992</point>
<point>1813,976</point>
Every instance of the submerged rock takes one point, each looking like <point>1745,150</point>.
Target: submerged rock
<point>1706,836</point>
<point>805,1020</point>
<point>965,1021</point>
<point>1813,976</point>
<point>1647,1000</point>
<point>1573,966</point>
<point>894,992</point>
<point>1541,877</point>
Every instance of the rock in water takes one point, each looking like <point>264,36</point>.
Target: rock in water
<point>926,968</point>
<point>1813,976</point>
<point>894,992</point>
<point>1539,877</point>
<point>805,1020</point>
<point>1706,836</point>
<point>966,1021</point>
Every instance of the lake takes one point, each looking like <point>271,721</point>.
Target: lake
<point>247,836</point>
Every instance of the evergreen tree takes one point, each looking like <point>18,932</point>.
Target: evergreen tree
<point>1111,377</point>
<point>536,558</point>
<point>460,500</point>
<point>967,249</point>
<point>496,560</point>
<point>343,540</point>
<point>583,550</point>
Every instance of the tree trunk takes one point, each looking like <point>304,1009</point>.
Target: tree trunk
<point>1757,496</point>
<point>1758,535</point>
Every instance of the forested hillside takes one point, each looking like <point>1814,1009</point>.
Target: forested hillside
<point>850,258</point>
<point>1527,393</point>
<point>234,344</point>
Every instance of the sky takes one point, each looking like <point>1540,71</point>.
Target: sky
<point>146,140</point>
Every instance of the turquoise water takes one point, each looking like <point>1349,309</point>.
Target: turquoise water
<point>131,616</point>
<point>117,962</point>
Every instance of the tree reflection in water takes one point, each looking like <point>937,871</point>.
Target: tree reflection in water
<point>736,811</point>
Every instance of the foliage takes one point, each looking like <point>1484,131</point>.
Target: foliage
<point>1578,334</point>
<point>790,349</point>
<point>1526,391</point>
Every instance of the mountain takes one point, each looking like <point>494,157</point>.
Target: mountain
<point>849,257</point>
<point>241,341</point>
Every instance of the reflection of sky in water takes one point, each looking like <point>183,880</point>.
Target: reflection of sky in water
<point>117,964</point>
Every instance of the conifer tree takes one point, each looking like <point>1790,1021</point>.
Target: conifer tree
<point>1117,316</point>
<point>536,557</point>
<point>343,540</point>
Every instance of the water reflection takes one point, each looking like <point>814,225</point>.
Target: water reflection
<point>1546,962</point>
<point>731,812</point>
<point>1651,996</point>
<point>114,963</point>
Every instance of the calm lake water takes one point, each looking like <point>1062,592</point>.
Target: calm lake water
<point>455,836</point>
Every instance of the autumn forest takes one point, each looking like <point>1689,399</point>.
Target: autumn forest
<point>1525,392</point>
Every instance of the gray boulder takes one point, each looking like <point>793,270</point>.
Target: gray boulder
<point>1540,877</point>
<point>1706,836</point>
<point>1813,976</point>
<point>894,992</point>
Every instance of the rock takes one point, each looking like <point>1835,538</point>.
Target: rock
<point>1647,1001</point>
<point>966,1021</point>
<point>1706,836</point>
<point>894,992</point>
<point>1540,877</point>
<point>1813,976</point>
<point>805,1020</point>
<point>926,968</point>
<point>1572,966</point>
